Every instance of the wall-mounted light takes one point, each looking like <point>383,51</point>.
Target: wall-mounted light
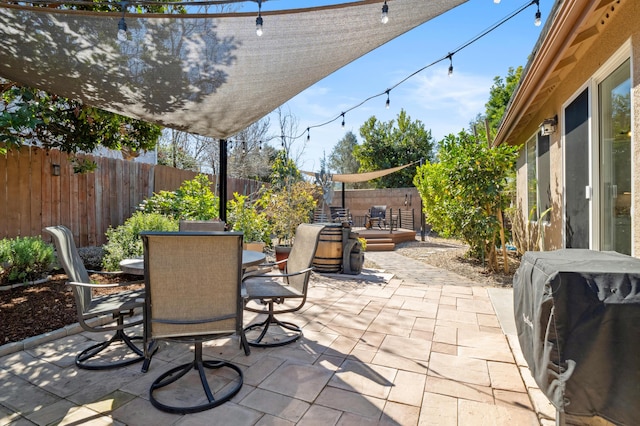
<point>55,169</point>
<point>548,126</point>
<point>384,18</point>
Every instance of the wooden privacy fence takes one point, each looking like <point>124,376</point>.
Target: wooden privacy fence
<point>38,188</point>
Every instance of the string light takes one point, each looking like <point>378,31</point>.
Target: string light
<point>343,120</point>
<point>308,134</point>
<point>259,20</point>
<point>448,56</point>
<point>122,25</point>
<point>385,13</point>
<point>538,19</point>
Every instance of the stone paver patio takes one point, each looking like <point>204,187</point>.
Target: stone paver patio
<point>415,345</point>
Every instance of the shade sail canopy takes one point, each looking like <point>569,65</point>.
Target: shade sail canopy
<point>362,177</point>
<point>205,74</point>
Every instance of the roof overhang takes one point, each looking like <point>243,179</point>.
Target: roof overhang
<point>572,28</point>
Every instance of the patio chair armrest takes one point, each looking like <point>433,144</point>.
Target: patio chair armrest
<point>92,285</point>
<point>93,271</point>
<point>261,272</point>
<point>291,274</point>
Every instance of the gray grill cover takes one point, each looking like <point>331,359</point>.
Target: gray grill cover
<point>578,320</point>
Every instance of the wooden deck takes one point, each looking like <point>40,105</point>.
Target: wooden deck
<point>384,239</point>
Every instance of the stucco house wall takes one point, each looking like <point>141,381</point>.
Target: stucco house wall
<point>617,27</point>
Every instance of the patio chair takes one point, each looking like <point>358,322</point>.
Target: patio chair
<point>201,225</point>
<point>270,288</point>
<point>340,215</point>
<point>377,215</point>
<point>193,282</point>
<point>121,307</point>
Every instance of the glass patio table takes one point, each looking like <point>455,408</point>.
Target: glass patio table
<point>135,266</point>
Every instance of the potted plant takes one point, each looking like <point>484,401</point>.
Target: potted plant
<point>244,216</point>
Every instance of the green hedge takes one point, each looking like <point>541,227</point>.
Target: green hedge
<point>25,259</point>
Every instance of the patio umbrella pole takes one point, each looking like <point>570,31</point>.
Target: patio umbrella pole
<point>223,180</point>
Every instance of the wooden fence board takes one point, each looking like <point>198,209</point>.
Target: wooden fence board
<point>46,190</point>
<point>35,191</point>
<point>13,194</point>
<point>23,203</point>
<point>4,202</point>
<point>91,209</point>
<point>31,198</point>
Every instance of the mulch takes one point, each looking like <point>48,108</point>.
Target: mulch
<point>32,310</point>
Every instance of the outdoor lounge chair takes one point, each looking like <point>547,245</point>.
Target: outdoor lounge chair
<point>377,215</point>
<point>193,282</point>
<point>121,307</point>
<point>270,288</point>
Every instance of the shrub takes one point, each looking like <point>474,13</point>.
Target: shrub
<point>124,241</point>
<point>288,207</point>
<point>193,200</point>
<point>25,259</point>
<point>246,217</point>
<point>91,256</point>
<point>465,191</point>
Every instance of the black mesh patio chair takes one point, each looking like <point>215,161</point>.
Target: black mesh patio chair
<point>377,215</point>
<point>123,307</point>
<point>267,287</point>
<point>193,283</point>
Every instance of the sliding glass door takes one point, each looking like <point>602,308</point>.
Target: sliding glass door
<point>614,99</point>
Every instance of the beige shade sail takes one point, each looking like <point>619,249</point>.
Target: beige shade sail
<point>205,74</point>
<point>362,177</point>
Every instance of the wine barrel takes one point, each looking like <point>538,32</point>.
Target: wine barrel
<point>328,256</point>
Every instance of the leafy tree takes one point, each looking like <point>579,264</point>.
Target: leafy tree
<point>177,157</point>
<point>465,191</point>
<point>193,200</point>
<point>284,171</point>
<point>499,96</point>
<point>248,158</point>
<point>288,207</point>
<point>30,115</point>
<point>341,158</point>
<point>387,145</point>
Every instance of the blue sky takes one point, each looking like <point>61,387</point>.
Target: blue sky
<point>443,104</point>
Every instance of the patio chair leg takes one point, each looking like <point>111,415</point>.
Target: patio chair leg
<point>83,358</point>
<point>200,365</point>
<point>264,328</point>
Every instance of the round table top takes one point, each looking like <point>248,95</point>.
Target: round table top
<point>135,266</point>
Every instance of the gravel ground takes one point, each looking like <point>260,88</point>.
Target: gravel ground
<point>451,255</point>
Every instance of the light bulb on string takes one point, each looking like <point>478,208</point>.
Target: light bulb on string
<point>259,145</point>
<point>122,30</point>
<point>122,25</point>
<point>388,103</point>
<point>259,20</point>
<point>538,21</point>
<point>343,120</point>
<point>244,147</point>
<point>385,13</point>
<point>308,134</point>
<point>450,56</point>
